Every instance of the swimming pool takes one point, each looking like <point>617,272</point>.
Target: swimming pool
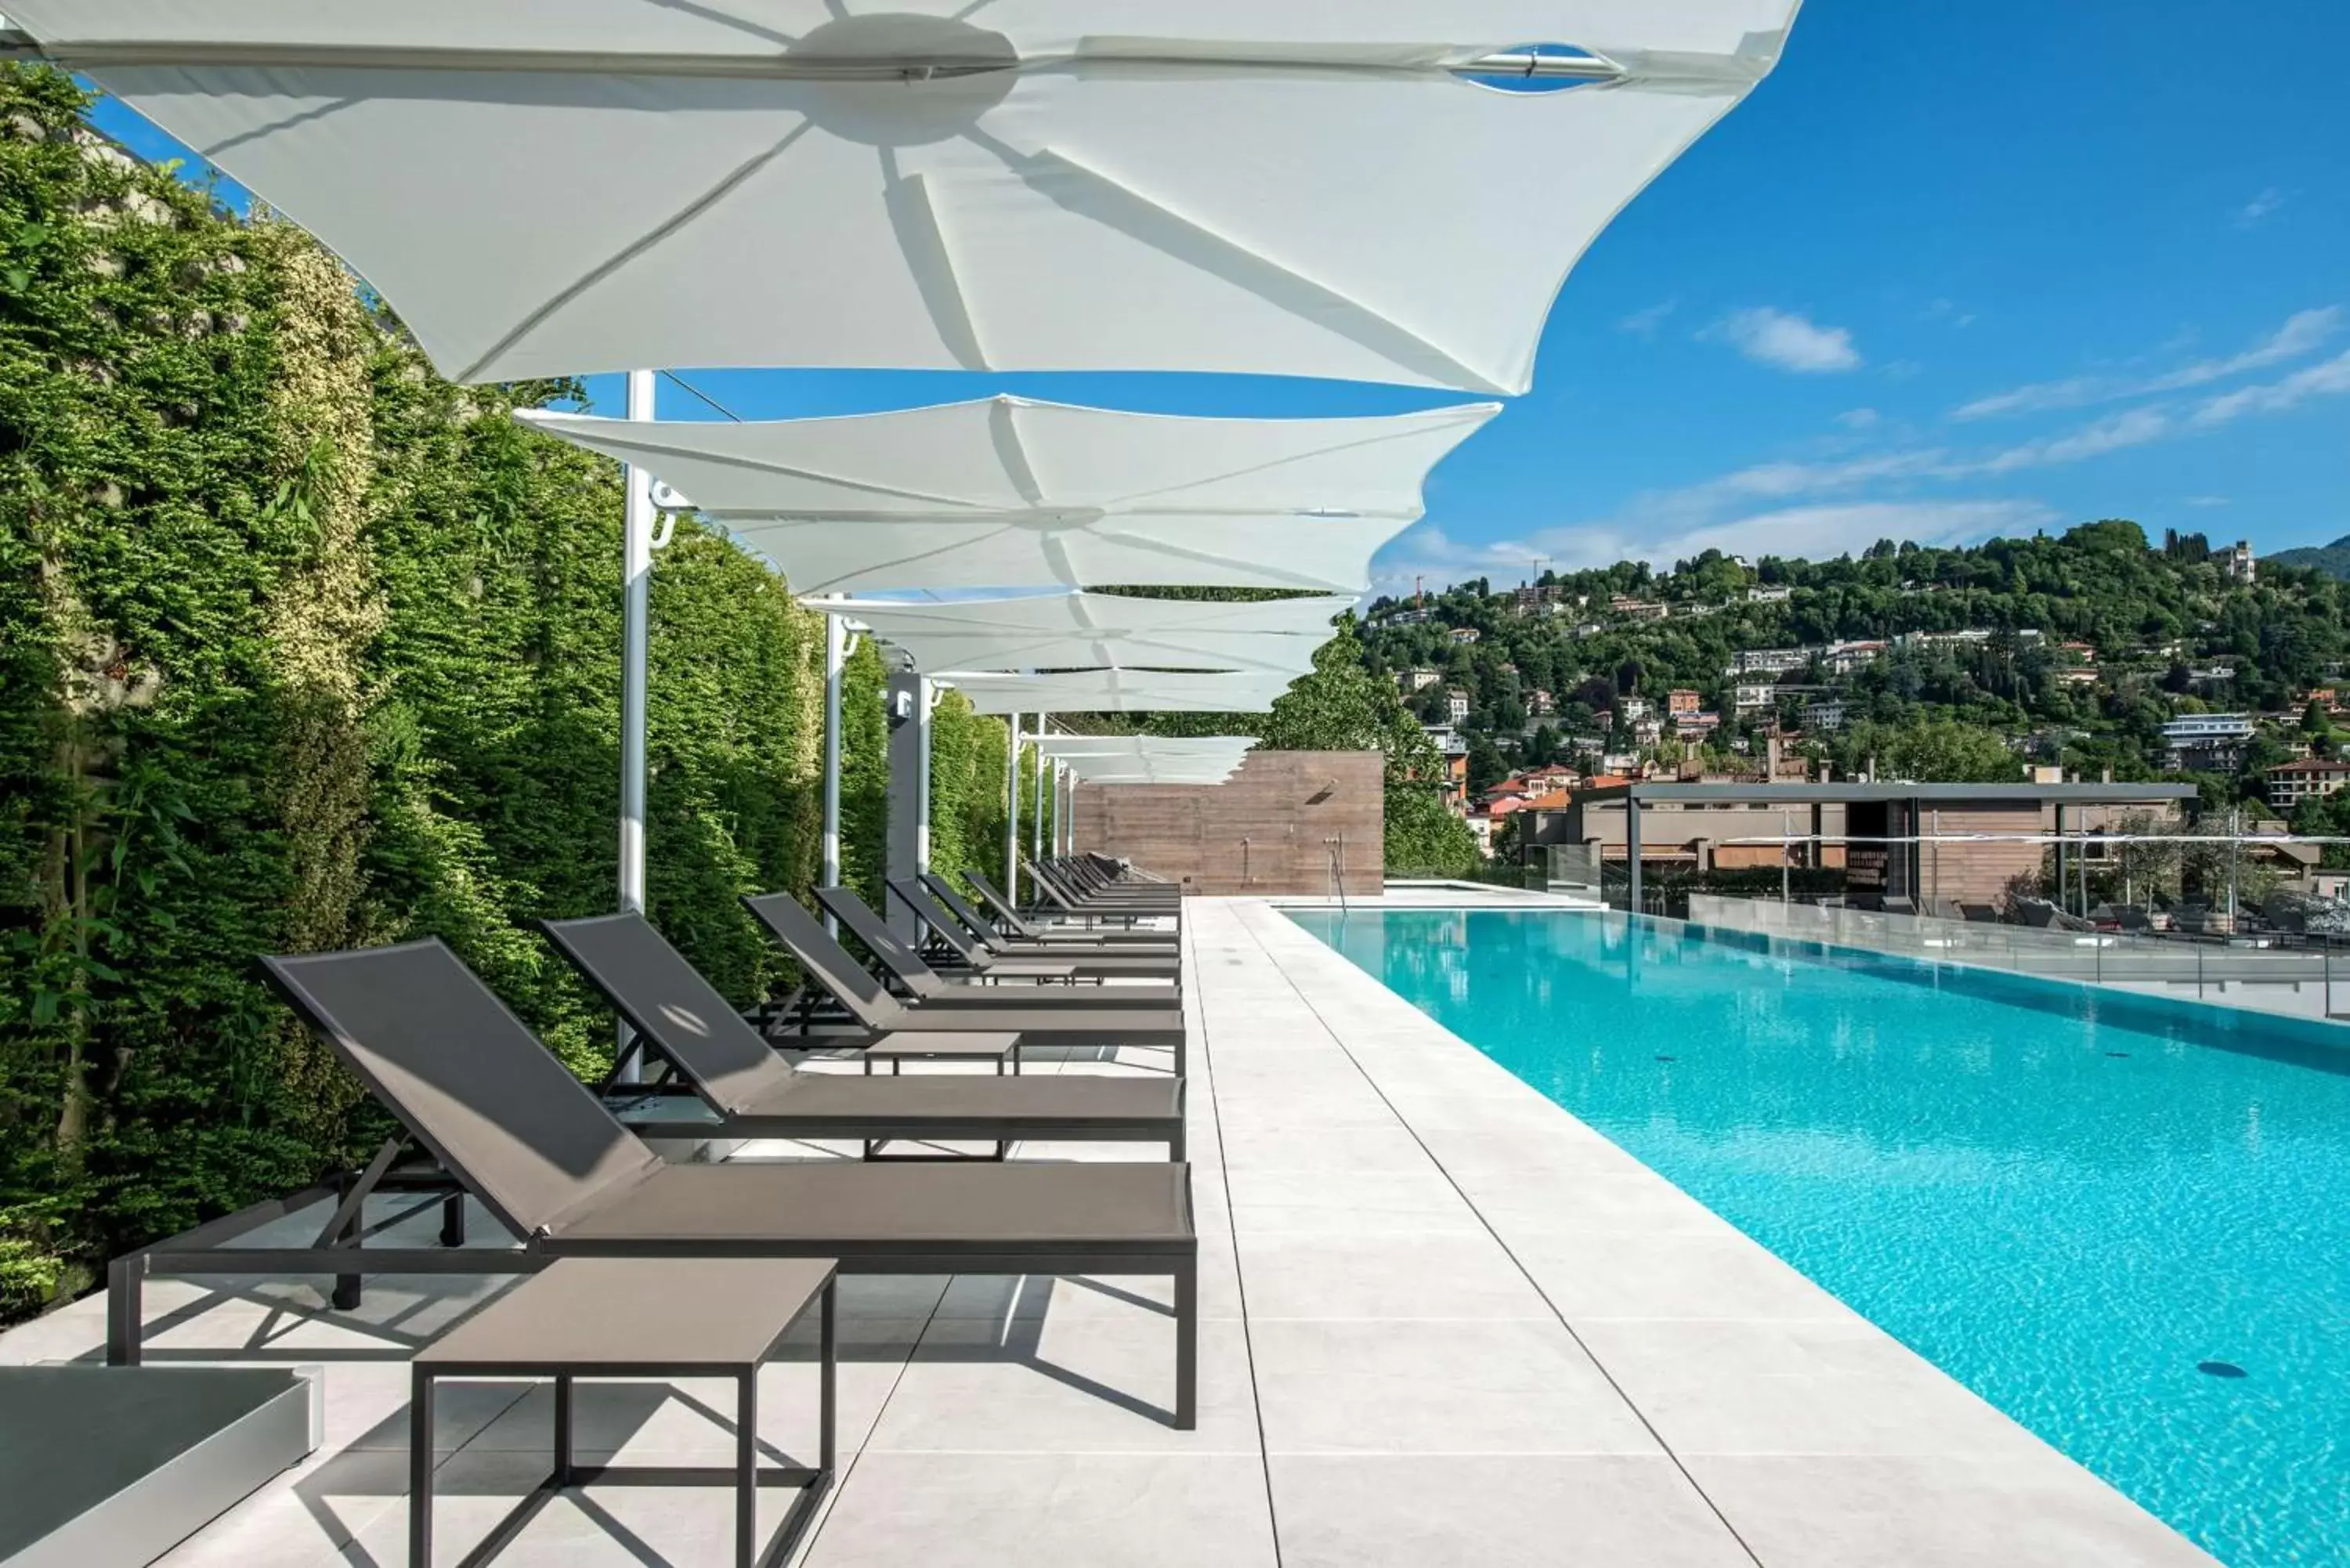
<point>2124,1221</point>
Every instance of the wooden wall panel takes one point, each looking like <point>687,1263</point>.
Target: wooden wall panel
<point>1265,831</point>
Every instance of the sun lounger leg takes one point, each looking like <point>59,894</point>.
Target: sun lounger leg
<point>1186,1346</point>
<point>126,1280</point>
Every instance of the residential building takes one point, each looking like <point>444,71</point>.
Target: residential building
<point>2207,740</point>
<point>1648,731</point>
<point>1632,710</point>
<point>2289,784</point>
<point>1541,704</point>
<point>1870,831</point>
<point>1846,658</point>
<point>1456,704</point>
<point>1775,596</point>
<point>1409,617</point>
<point>1695,725</point>
<point>1586,629</point>
<point>1619,764</point>
<point>1824,716</point>
<point>1549,599</point>
<point>1768,660</point>
<point>1638,610</point>
<point>1414,681</point>
<point>1681,700</point>
<point>2079,652</point>
<point>1466,634</point>
<point>1753,696</point>
<point>2237,562</point>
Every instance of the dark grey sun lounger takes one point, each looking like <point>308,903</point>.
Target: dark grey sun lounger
<point>1087,948</point>
<point>757,1093</point>
<point>929,987</point>
<point>512,1125</point>
<point>949,923</point>
<point>1074,1021</point>
<point>1015,924</point>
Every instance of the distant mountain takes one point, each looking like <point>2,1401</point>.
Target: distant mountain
<point>2333,559</point>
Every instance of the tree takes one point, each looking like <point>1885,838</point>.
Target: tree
<point>1340,708</point>
<point>1486,765</point>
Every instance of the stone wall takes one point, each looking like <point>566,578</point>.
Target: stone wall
<point>1267,830</point>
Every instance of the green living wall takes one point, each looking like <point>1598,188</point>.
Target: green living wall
<point>301,647</point>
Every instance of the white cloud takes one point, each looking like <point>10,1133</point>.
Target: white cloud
<point>1786,340</point>
<point>2205,503</point>
<point>2135,428</point>
<point>2259,207</point>
<point>2034,399</point>
<point>1832,530</point>
<point>2325,378</point>
<point>1644,323</point>
<point>1860,419</point>
<point>2303,333</point>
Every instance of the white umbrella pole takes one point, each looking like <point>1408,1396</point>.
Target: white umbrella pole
<point>1011,812</point>
<point>923,693</point>
<point>1037,826</point>
<point>636,602</point>
<point>836,659</point>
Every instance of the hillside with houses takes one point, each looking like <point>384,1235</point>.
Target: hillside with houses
<point>2096,654</point>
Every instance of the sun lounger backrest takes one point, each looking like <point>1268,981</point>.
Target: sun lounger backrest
<point>996,901</point>
<point>652,986</point>
<point>1040,878</point>
<point>903,961</point>
<point>466,1076</point>
<point>826,962</point>
<point>960,907</point>
<point>927,911</point>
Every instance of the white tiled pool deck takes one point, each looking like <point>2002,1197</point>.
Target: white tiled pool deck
<point>1444,1323</point>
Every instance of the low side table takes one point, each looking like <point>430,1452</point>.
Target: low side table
<point>950,1045</point>
<point>628,1318</point>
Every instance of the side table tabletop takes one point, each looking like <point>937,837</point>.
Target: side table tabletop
<point>630,1317</point>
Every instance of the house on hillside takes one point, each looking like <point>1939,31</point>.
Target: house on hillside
<point>1414,681</point>
<point>1456,704</point>
<point>1774,596</point>
<point>1638,610</point>
<point>1819,716</point>
<point>1540,703</point>
<point>2289,785</point>
<point>1768,660</point>
<point>2237,561</point>
<point>1632,710</point>
<point>2207,741</point>
<point>1681,700</point>
<point>1465,635</point>
<point>1849,658</point>
<point>1753,696</point>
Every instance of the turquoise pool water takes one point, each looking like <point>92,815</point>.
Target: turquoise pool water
<point>2074,1202</point>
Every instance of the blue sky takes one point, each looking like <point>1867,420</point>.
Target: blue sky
<point>1955,270</point>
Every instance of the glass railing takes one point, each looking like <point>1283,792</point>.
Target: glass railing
<point>2259,972</point>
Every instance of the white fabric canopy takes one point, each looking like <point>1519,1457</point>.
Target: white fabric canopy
<point>1082,631</point>
<point>1148,759</point>
<point>1232,747</point>
<point>1119,691</point>
<point>558,187</point>
<point>1006,493</point>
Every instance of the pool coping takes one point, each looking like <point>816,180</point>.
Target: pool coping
<point>1813,1436</point>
